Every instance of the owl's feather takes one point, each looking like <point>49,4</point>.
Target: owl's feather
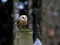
<point>22,21</point>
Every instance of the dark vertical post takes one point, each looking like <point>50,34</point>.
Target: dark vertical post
<point>30,18</point>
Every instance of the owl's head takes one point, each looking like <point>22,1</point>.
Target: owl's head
<point>23,18</point>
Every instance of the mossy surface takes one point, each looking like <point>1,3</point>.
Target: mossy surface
<point>24,37</point>
<point>24,30</point>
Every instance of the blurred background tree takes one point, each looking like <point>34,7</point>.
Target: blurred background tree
<point>51,22</point>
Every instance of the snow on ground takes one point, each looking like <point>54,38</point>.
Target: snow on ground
<point>37,42</point>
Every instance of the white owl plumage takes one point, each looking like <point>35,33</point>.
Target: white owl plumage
<point>23,18</point>
<point>22,21</point>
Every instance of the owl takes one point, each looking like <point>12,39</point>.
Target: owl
<point>22,21</point>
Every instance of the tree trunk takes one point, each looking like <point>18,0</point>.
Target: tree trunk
<point>30,18</point>
<point>51,17</point>
<point>15,13</point>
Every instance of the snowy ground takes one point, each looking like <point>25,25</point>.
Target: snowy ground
<point>38,42</point>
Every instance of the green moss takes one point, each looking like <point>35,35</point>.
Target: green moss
<point>24,37</point>
<point>24,30</point>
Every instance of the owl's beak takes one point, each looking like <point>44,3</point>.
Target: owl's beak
<point>24,18</point>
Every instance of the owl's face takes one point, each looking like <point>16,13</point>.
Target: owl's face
<point>23,17</point>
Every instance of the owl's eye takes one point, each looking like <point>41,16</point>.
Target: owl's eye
<point>23,17</point>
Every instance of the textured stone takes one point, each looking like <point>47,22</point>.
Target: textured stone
<point>24,37</point>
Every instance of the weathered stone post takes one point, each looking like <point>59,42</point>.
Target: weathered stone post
<point>24,37</point>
